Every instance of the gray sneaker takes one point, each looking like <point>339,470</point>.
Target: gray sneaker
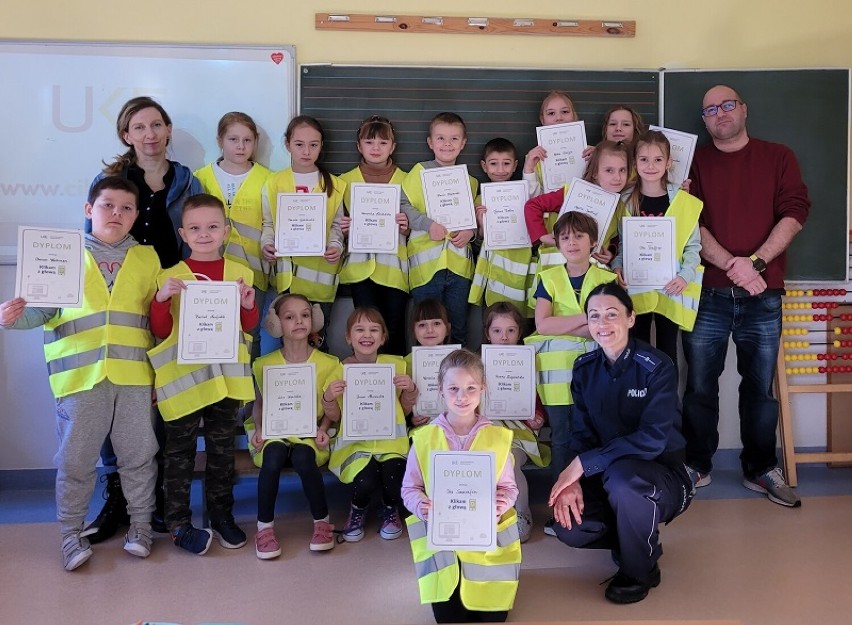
<point>772,484</point>
<point>700,480</point>
<point>138,540</point>
<point>524,527</point>
<point>75,550</point>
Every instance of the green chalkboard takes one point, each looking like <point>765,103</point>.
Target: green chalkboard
<point>493,103</point>
<point>807,110</point>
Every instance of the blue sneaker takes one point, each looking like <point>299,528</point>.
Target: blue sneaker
<point>192,539</point>
<point>228,533</point>
<point>353,531</point>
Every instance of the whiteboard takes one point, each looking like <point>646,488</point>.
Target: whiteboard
<point>60,102</point>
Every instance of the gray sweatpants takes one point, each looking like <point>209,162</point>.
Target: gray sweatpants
<point>83,421</point>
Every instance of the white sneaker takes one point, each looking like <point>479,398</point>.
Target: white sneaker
<point>138,540</point>
<point>75,550</point>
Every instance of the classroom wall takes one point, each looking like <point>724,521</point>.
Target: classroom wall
<point>721,34</point>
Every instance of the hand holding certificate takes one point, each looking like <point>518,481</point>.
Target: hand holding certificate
<point>509,381</point>
<point>505,227</point>
<point>564,144</point>
<point>649,251</point>
<point>50,267</point>
<point>289,401</point>
<point>590,199</point>
<point>373,208</point>
<point>209,323</point>
<point>425,362</point>
<point>448,198</point>
<point>369,402</point>
<point>300,224</point>
<point>463,493</point>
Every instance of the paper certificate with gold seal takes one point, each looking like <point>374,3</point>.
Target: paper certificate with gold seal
<point>589,198</point>
<point>448,197</point>
<point>289,401</point>
<point>564,144</point>
<point>463,491</point>
<point>369,402</point>
<point>300,224</point>
<point>373,208</point>
<point>509,381</point>
<point>504,225</point>
<point>648,245</point>
<point>49,272</point>
<point>425,362</point>
<point>209,323</point>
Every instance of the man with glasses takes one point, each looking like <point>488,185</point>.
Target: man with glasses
<point>755,202</point>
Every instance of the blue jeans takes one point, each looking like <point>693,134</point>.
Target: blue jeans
<point>452,291</point>
<point>559,418</point>
<point>754,323</point>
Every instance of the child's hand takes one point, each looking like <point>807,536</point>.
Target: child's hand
<point>332,254</point>
<point>419,419</point>
<point>548,239</point>
<point>402,222</point>
<point>604,256</point>
<point>403,382</point>
<point>322,439</point>
<point>535,422</point>
<point>173,286</point>
<point>269,253</point>
<point>425,507</point>
<point>462,238</point>
<point>619,273</point>
<point>12,310</point>
<point>437,232</point>
<point>246,295</point>
<point>334,390</point>
<point>675,287</point>
<point>686,184</point>
<point>480,214</point>
<point>345,223</point>
<point>256,439</point>
<point>501,501</point>
<point>587,152</point>
<point>535,155</point>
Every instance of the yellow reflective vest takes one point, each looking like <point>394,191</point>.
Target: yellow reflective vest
<point>245,216</point>
<point>328,370</point>
<point>425,256</point>
<point>526,440</point>
<point>184,389</point>
<point>108,336</point>
<point>348,458</point>
<point>386,269</point>
<point>555,355</point>
<point>489,580</point>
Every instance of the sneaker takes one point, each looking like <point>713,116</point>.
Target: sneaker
<point>323,538</point>
<point>624,589</point>
<point>113,514</point>
<point>525,527</point>
<point>192,539</point>
<point>699,479</point>
<point>138,540</point>
<point>228,533</point>
<point>75,550</point>
<point>391,525</point>
<point>266,546</point>
<point>548,527</point>
<point>353,531</point>
<point>772,484</point>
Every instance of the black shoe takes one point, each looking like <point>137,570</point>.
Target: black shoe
<point>228,533</point>
<point>112,516</point>
<point>625,589</point>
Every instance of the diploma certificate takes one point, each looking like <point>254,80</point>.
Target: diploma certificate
<point>504,225</point>
<point>369,402</point>
<point>649,251</point>
<point>448,198</point>
<point>289,401</point>
<point>464,514</point>
<point>50,267</point>
<point>373,208</point>
<point>425,362</point>
<point>589,198</point>
<point>564,144</point>
<point>300,224</point>
<point>209,323</point>
<point>683,149</point>
<point>509,381</point>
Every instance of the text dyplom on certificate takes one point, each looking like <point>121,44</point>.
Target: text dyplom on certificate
<point>463,488</point>
<point>564,144</point>
<point>50,267</point>
<point>649,251</point>
<point>682,150</point>
<point>373,208</point>
<point>504,225</point>
<point>300,224</point>
<point>209,324</point>
<point>509,381</point>
<point>289,401</point>
<point>369,402</point>
<point>425,362</point>
<point>589,198</point>
<point>448,197</point>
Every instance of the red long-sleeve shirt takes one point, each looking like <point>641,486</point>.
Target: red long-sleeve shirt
<point>534,211</point>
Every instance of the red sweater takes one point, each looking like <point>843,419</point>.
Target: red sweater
<point>745,194</point>
<point>534,211</point>
<point>161,312</point>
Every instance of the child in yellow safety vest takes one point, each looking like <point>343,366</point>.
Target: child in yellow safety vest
<point>463,586</point>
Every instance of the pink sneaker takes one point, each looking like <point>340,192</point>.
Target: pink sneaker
<point>323,538</point>
<point>391,524</point>
<point>266,546</point>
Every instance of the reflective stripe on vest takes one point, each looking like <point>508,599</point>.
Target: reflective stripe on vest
<point>84,359</point>
<point>501,275</point>
<point>526,440</point>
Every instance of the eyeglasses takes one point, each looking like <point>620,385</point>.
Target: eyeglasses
<point>713,109</point>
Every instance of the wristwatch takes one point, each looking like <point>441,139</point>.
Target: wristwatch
<point>758,263</point>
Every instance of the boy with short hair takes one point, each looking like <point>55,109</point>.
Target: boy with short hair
<point>440,263</point>
<point>99,372</point>
<point>212,393</point>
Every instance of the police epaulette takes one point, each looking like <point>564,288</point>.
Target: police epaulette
<point>585,358</point>
<point>647,360</point>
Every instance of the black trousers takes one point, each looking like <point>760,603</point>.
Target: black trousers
<point>304,461</point>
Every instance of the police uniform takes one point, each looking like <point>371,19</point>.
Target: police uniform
<point>626,430</point>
